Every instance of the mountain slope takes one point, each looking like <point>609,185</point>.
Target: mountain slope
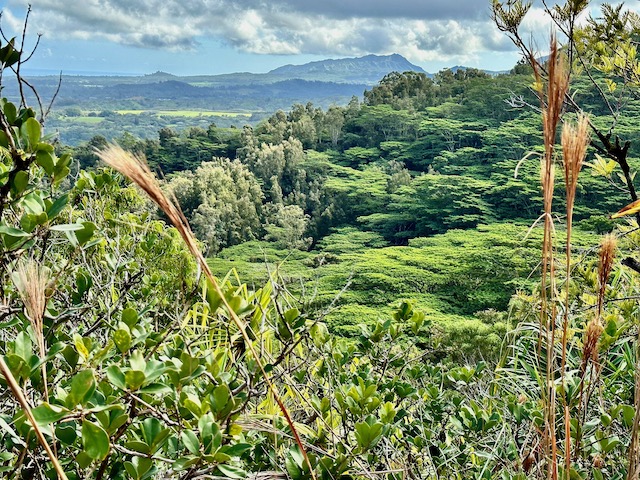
<point>368,69</point>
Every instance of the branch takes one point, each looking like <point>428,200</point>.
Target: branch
<point>632,263</point>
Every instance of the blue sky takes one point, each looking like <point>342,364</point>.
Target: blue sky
<point>188,37</point>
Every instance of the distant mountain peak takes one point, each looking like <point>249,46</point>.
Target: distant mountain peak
<point>369,68</point>
<point>160,74</point>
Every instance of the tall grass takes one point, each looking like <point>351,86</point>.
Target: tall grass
<point>552,94</point>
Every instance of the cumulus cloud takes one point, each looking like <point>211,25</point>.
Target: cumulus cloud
<point>451,30</point>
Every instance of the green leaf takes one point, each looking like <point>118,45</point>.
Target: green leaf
<point>15,438</point>
<point>156,389</point>
<point>122,338</point>
<point>20,183</point>
<point>138,466</point>
<point>368,433</point>
<point>78,341</point>
<point>45,413</point>
<point>85,234</point>
<point>33,203</point>
<point>130,317</point>
<point>23,346</point>
<point>66,227</point>
<point>190,441</point>
<point>95,440</point>
<point>29,221</point>
<point>83,385</point>
<point>154,432</point>
<point>628,412</point>
<point>236,450</point>
<point>220,400</point>
<point>56,207</point>
<point>137,361</point>
<point>31,131</point>
<point>138,446</point>
<point>11,236</point>
<point>12,232</point>
<point>9,56</point>
<point>116,377</point>
<point>8,108</point>
<point>46,161</point>
<point>66,432</point>
<point>83,460</point>
<point>231,471</point>
<point>60,175</point>
<point>134,379</point>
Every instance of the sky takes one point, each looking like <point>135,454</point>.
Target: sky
<point>207,37</point>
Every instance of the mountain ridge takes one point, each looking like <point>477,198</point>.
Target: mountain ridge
<point>365,69</point>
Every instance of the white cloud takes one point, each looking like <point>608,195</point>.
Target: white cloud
<point>444,30</point>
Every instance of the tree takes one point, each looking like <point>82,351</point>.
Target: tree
<point>223,201</point>
<point>287,226</point>
<point>407,90</point>
<point>333,122</point>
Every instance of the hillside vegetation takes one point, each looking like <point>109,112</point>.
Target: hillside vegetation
<point>398,198</point>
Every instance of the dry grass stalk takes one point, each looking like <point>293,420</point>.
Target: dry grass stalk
<point>136,168</point>
<point>633,472</point>
<point>574,140</point>
<point>605,265</point>
<point>590,344</point>
<point>17,392</point>
<point>552,94</point>
<point>594,328</point>
<point>32,284</point>
<point>567,439</point>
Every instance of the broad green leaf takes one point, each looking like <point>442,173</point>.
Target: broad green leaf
<point>153,431</point>
<point>83,384</point>
<point>23,346</point>
<point>20,183</point>
<point>138,467</point>
<point>190,441</point>
<point>628,412</point>
<point>9,109</point>
<point>46,161</point>
<point>56,207</point>
<point>31,131</point>
<point>134,379</point>
<point>83,460</point>
<point>80,346</point>
<point>29,221</point>
<point>231,471</point>
<point>95,440</point>
<point>46,413</point>
<point>33,203</point>
<point>66,432</point>
<point>12,236</point>
<point>236,450</point>
<point>138,446</point>
<point>137,361</point>
<point>84,235</point>
<point>122,338</point>
<point>156,389</point>
<point>130,317</point>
